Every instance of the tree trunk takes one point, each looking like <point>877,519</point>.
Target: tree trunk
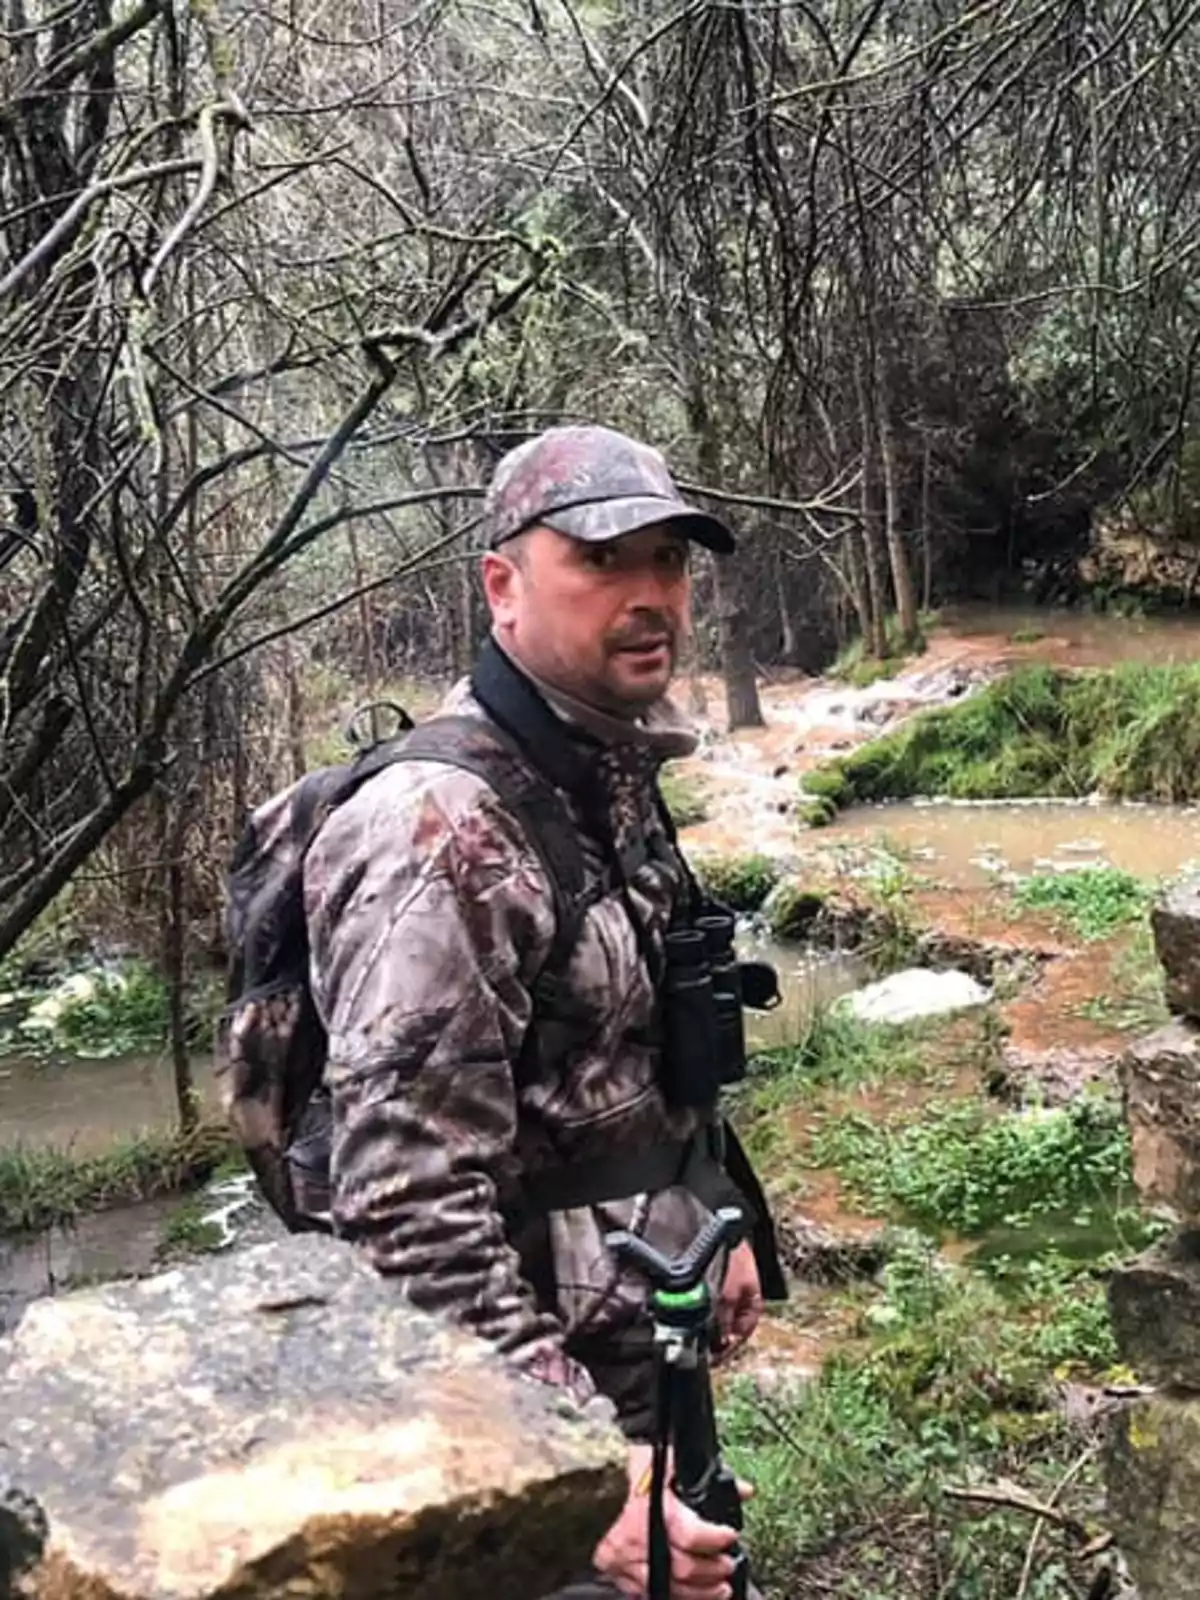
<point>926,524</point>
<point>464,653</point>
<point>742,705</point>
<point>876,635</point>
<point>789,643</point>
<point>906,601</point>
<point>294,713</point>
<point>173,934</point>
<point>366,632</point>
<point>856,578</point>
<point>743,709</point>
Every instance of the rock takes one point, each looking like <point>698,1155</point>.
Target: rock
<point>819,1254</point>
<point>1175,922</point>
<point>789,911</point>
<point>1154,1304</point>
<point>278,1421</point>
<point>1160,1076</point>
<point>916,992</point>
<point>1053,1075</point>
<point>1153,1473</point>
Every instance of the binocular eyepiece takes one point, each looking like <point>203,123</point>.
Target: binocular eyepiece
<point>704,991</point>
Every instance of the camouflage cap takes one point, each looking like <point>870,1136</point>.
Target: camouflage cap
<point>592,484</point>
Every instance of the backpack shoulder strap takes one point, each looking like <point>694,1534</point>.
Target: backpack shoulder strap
<point>483,749</point>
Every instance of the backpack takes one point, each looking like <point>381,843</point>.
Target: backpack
<point>271,1044</point>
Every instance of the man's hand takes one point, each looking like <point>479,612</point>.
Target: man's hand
<point>700,1565</point>
<point>740,1304</point>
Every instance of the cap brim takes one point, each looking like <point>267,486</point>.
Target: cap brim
<point>609,519</point>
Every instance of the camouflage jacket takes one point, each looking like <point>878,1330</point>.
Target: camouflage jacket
<point>429,916</point>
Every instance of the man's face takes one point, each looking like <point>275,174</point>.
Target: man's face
<point>601,621</point>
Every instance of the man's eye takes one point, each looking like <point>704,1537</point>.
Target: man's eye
<point>600,555</point>
<point>673,556</point>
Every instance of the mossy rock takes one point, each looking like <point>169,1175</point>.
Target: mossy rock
<point>817,813</point>
<point>827,783</point>
<point>790,910</point>
<point>740,882</point>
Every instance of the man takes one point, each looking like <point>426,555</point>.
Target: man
<point>430,918</point>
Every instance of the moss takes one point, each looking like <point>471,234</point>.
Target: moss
<point>740,882</point>
<point>817,813</point>
<point>1132,732</point>
<point>685,797</point>
<point>790,910</point>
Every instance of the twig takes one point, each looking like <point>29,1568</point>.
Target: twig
<point>1010,1496</point>
<point>1068,1477</point>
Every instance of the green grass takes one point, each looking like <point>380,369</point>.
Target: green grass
<point>40,1188</point>
<point>1132,732</point>
<point>950,1382</point>
<point>948,1374</point>
<point>792,910</point>
<point>836,1052</point>
<point>187,1233</point>
<point>685,796</point>
<point>1134,1001</point>
<point>1095,902</point>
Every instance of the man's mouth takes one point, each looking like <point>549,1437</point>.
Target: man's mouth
<point>646,647</point>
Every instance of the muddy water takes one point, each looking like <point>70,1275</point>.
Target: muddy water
<point>807,980</point>
<point>1081,638</point>
<point>90,1105</point>
<point>966,846</point>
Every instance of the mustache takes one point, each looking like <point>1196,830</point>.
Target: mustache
<point>648,629</point>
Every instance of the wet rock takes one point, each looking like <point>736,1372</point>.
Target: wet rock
<point>1154,1303</point>
<point>1175,922</point>
<point>277,1421</point>
<point>914,993</point>
<point>1153,1472</point>
<point>1160,1075</point>
<point>816,1253</point>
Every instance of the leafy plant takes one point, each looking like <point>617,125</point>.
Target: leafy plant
<point>1095,901</point>
<point>948,1379</point>
<point>187,1232</point>
<point>962,1167</point>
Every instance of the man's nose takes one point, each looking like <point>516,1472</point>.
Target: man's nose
<point>652,588</point>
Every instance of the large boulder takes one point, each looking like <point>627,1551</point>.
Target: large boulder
<point>280,1421</point>
<point>1160,1076</point>
<point>1153,1472</point>
<point>1154,1304</point>
<point>1175,921</point>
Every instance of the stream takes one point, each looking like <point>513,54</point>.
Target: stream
<point>966,844</point>
<point>88,1106</point>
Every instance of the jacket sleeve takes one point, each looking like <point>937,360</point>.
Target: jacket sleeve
<point>428,915</point>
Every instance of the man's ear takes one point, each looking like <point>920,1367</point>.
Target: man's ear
<point>501,583</point>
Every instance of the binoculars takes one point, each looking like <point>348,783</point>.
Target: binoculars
<point>705,987</point>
